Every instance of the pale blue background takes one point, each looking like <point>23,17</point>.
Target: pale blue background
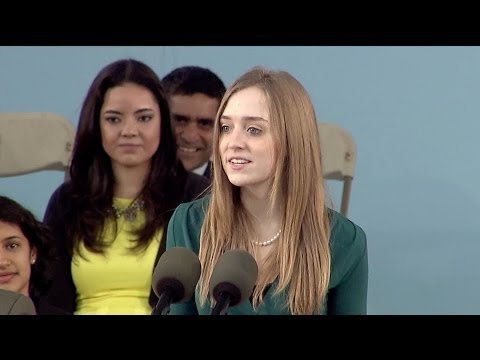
<point>413,111</point>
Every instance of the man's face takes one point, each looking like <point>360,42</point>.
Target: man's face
<point>193,117</point>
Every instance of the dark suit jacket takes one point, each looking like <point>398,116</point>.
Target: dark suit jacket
<point>208,171</point>
<point>13,303</point>
<point>62,293</point>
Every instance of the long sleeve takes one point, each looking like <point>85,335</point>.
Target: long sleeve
<point>62,293</point>
<point>350,273</point>
<point>178,234</point>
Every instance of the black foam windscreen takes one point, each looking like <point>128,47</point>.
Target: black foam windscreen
<point>179,269</point>
<point>235,273</point>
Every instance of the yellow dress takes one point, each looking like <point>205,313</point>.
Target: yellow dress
<point>118,281</point>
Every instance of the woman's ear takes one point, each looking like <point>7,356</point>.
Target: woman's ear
<point>33,256</point>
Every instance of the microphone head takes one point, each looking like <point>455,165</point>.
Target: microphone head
<point>235,273</point>
<point>179,269</point>
<point>13,303</point>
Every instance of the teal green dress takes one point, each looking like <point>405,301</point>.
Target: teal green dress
<point>347,291</point>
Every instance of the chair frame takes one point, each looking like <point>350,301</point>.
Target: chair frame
<point>339,155</point>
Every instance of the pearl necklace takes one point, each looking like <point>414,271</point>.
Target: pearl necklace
<point>268,242</point>
<point>130,212</point>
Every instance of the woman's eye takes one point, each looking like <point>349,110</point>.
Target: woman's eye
<point>224,128</point>
<point>145,118</point>
<point>254,131</point>
<point>12,246</point>
<point>112,119</point>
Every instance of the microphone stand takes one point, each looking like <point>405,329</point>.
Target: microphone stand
<point>222,304</point>
<point>164,301</point>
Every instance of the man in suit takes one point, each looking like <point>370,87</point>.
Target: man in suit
<point>13,303</point>
<point>194,95</point>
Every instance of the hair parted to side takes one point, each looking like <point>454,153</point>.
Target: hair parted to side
<point>91,173</point>
<point>39,237</point>
<point>302,263</point>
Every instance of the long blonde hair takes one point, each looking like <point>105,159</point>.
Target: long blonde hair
<point>302,260</point>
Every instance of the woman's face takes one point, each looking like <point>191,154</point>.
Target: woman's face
<point>16,259</point>
<point>130,125</point>
<point>246,141</point>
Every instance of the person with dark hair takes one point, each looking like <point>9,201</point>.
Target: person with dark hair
<point>194,95</point>
<point>125,181</point>
<point>26,255</point>
<point>268,198</point>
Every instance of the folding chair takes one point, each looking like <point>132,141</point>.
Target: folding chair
<point>339,155</point>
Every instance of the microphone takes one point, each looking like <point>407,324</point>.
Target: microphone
<point>233,279</point>
<point>174,278</point>
<point>13,303</point>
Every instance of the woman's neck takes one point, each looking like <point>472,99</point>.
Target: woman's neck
<point>129,182</point>
<point>267,220</point>
<point>259,207</point>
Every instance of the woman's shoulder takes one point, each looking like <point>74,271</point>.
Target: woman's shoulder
<point>185,225</point>
<point>345,235</point>
<point>195,208</point>
<point>63,191</point>
<point>59,201</point>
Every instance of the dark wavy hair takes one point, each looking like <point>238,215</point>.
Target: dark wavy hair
<point>91,175</point>
<point>39,237</point>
